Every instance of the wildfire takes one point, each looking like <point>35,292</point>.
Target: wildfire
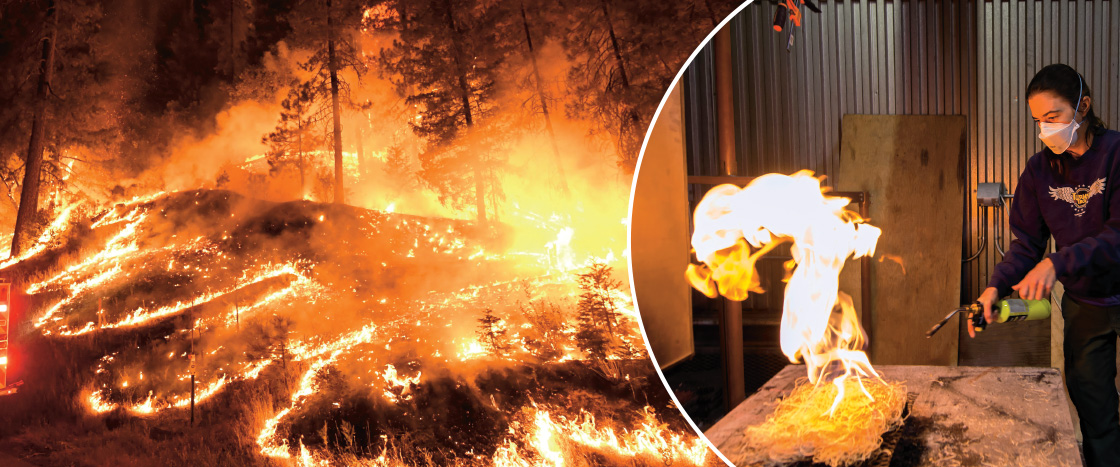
<point>54,230</point>
<point>736,226</point>
<point>207,292</point>
<point>651,439</point>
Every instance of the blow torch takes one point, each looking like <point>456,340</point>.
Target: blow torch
<point>1011,309</point>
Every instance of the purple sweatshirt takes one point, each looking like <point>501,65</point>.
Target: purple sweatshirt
<point>1082,212</point>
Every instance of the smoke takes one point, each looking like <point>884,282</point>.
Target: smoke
<point>196,163</point>
<point>576,190</point>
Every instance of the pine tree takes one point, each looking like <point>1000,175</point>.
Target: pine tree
<point>29,197</point>
<point>445,61</point>
<point>597,315</point>
<point>491,332</point>
<point>546,320</point>
<point>297,133</point>
<point>331,28</point>
<point>531,25</point>
<point>626,53</point>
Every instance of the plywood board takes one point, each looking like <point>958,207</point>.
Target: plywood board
<point>659,239</point>
<point>960,416</point>
<point>912,167</point>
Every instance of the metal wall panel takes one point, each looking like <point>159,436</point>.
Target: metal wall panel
<point>1015,39</point>
<point>905,57</point>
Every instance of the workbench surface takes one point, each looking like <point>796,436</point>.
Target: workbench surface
<point>962,416</point>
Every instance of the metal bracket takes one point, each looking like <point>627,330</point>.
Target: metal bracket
<point>991,194</point>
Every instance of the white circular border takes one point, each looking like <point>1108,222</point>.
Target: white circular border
<point>630,226</point>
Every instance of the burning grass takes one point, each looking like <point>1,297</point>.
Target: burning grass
<point>330,335</point>
<point>802,426</point>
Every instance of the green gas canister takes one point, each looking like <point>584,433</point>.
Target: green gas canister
<point>1011,309</point>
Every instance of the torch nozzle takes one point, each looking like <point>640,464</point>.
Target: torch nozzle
<point>939,325</point>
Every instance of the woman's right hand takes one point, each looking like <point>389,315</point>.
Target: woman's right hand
<point>986,299</point>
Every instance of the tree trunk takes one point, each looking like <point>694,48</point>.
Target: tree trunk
<point>361,151</point>
<point>299,148</point>
<point>465,101</point>
<point>333,65</point>
<point>232,43</point>
<point>631,120</point>
<point>614,45</point>
<point>562,181</point>
<point>29,196</point>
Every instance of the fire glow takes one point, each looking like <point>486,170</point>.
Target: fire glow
<point>736,226</point>
<point>199,293</point>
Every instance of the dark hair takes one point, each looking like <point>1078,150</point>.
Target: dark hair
<point>1066,83</point>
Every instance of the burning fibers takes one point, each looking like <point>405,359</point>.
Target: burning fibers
<point>837,417</point>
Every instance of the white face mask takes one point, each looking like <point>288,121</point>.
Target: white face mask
<point>1060,136</point>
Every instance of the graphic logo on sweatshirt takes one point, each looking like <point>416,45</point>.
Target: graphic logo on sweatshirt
<point>1077,196</point>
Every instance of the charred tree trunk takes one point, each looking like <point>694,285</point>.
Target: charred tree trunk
<point>333,65</point>
<point>29,195</point>
<point>465,101</point>
<point>562,181</point>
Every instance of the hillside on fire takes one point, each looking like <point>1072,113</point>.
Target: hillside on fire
<point>331,232</point>
<point>332,333</point>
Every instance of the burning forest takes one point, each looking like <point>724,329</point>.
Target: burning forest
<point>332,232</point>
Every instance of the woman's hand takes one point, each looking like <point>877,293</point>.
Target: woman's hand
<point>990,296</point>
<point>1037,284</point>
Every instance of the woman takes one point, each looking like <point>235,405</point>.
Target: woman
<point>1070,190</point>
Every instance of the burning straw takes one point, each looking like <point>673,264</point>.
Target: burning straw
<point>801,426</point>
<point>839,423</point>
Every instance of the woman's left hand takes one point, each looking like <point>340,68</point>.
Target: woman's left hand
<point>1037,284</point>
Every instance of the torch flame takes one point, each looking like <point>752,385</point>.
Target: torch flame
<point>736,226</point>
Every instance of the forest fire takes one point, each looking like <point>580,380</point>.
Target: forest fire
<point>257,296</point>
<point>334,233</point>
<point>736,226</point>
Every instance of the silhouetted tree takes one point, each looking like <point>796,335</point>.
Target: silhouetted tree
<point>596,315</point>
<point>331,29</point>
<point>445,60</point>
<point>29,197</point>
<point>491,332</point>
<point>297,132</point>
<point>625,54</point>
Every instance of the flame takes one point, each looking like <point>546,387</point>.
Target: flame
<point>97,404</point>
<point>219,308</point>
<point>143,315</point>
<point>736,226</point>
<point>55,229</point>
<point>651,438</point>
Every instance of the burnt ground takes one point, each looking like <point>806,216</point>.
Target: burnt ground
<point>420,284</point>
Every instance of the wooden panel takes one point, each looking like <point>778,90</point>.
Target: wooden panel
<point>960,416</point>
<point>912,167</point>
<point>659,239</point>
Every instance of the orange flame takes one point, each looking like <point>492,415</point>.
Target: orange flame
<point>736,226</point>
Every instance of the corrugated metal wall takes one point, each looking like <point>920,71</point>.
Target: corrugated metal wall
<point>1015,39</point>
<point>906,57</point>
